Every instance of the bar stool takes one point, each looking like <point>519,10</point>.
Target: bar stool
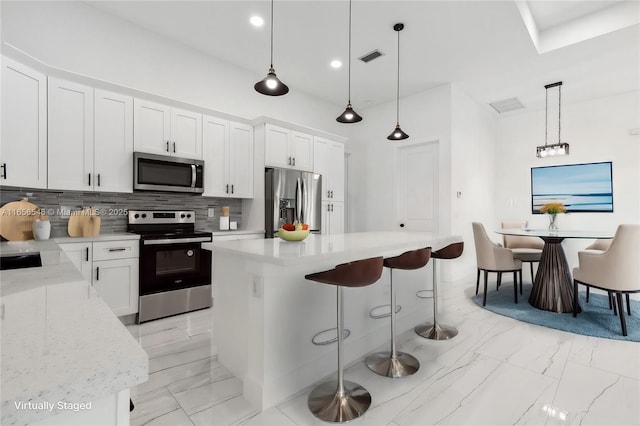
<point>339,401</point>
<point>438,331</point>
<point>396,364</point>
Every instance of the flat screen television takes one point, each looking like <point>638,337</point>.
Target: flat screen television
<point>580,187</point>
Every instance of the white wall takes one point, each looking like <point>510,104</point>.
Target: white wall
<point>597,130</point>
<point>78,38</point>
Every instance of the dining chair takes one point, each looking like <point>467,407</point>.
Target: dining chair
<point>526,249</point>
<point>491,257</point>
<point>614,270</point>
<point>602,244</point>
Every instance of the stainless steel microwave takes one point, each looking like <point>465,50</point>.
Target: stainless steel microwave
<point>153,172</point>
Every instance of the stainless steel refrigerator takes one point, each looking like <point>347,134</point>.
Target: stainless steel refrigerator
<point>292,195</point>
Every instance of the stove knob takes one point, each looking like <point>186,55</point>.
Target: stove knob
<point>136,215</point>
<point>182,216</point>
<point>144,215</point>
<point>189,215</point>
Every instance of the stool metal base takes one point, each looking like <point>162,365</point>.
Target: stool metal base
<point>327,405</point>
<point>403,365</point>
<point>436,332</point>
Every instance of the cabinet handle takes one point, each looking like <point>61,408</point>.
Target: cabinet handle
<point>328,207</point>
<point>331,207</point>
<point>98,179</point>
<point>4,170</point>
<point>294,161</point>
<point>289,160</point>
<point>117,249</point>
<point>232,188</point>
<point>227,190</point>
<point>86,255</point>
<point>328,194</point>
<point>2,311</point>
<point>167,146</point>
<point>89,179</point>
<point>97,273</point>
<point>174,147</point>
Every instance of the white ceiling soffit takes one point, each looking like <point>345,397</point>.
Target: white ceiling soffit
<point>553,25</point>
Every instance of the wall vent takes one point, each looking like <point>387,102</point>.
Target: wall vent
<point>371,56</point>
<point>507,105</point>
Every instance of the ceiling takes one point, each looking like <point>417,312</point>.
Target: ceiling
<point>491,49</point>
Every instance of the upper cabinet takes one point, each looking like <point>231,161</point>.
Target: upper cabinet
<point>90,138</point>
<point>23,151</point>
<point>165,130</point>
<point>288,148</point>
<point>228,156</point>
<point>328,160</point>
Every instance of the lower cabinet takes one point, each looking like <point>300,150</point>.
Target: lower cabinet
<point>81,255</point>
<point>332,218</point>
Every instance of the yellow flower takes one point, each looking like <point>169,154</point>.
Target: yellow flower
<point>553,208</point>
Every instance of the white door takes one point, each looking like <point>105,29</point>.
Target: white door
<point>186,133</point>
<point>215,134</point>
<point>70,147</point>
<point>241,160</point>
<point>336,159</point>
<point>23,151</point>
<point>151,127</point>
<point>336,220</point>
<point>116,281</point>
<point>113,143</point>
<point>301,151</point>
<point>321,164</point>
<point>276,147</point>
<point>417,186</point>
<point>325,218</point>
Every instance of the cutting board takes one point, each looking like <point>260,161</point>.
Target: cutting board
<point>84,223</point>
<point>16,220</point>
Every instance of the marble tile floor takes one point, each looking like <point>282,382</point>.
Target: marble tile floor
<point>497,371</point>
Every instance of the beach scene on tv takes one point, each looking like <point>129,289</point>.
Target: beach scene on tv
<point>580,187</point>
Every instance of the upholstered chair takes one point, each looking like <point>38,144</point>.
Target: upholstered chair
<point>491,257</point>
<point>602,244</point>
<point>526,249</point>
<point>614,270</point>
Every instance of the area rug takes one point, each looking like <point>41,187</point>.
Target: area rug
<point>596,319</point>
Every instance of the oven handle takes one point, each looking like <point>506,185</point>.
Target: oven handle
<point>177,241</point>
<point>193,175</point>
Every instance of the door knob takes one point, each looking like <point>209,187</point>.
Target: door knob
<point>402,225</point>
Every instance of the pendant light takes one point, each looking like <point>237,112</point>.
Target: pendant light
<point>349,115</point>
<point>271,85</point>
<point>560,148</point>
<point>398,134</point>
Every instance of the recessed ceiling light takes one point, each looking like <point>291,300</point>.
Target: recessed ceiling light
<point>256,21</point>
<point>336,63</point>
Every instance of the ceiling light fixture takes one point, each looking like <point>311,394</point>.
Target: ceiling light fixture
<point>271,85</point>
<point>256,21</point>
<point>398,134</point>
<point>336,63</point>
<point>349,115</point>
<point>560,148</point>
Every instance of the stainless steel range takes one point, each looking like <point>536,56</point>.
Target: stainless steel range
<point>175,271</point>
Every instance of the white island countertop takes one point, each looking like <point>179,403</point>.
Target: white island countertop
<point>60,342</point>
<point>341,247</point>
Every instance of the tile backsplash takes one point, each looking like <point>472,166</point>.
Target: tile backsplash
<point>112,206</point>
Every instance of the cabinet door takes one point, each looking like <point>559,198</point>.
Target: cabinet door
<point>23,152</point>
<point>336,219</point>
<point>70,147</point>
<point>302,151</point>
<point>116,281</point>
<point>151,127</point>
<point>113,143</point>
<point>321,165</point>
<point>80,255</point>
<point>241,160</point>
<point>214,151</point>
<point>336,161</point>
<point>186,133</point>
<point>276,149</point>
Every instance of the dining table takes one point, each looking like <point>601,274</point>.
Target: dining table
<point>552,288</point>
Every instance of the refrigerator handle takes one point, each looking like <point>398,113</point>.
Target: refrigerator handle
<point>298,199</point>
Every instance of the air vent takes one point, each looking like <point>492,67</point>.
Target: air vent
<point>507,105</point>
<point>371,56</point>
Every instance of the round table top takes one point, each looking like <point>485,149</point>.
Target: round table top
<point>560,233</point>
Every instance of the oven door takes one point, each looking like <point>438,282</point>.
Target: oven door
<point>165,267</point>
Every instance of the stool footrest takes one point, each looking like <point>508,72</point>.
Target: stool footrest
<point>373,313</point>
<point>320,339</point>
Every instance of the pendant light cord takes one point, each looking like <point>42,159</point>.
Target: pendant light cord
<point>398,85</point>
<point>546,115</point>
<point>349,61</point>
<point>559,100</point>
<point>271,33</point>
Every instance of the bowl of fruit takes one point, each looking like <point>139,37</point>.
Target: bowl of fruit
<point>294,231</point>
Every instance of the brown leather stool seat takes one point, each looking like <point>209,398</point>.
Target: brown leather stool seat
<point>339,401</point>
<point>392,363</point>
<point>436,331</point>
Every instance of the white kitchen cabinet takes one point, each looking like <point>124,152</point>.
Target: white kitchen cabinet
<point>81,255</point>
<point>23,152</point>
<point>228,155</point>
<point>288,148</point>
<point>116,281</point>
<point>161,129</point>
<point>332,218</point>
<point>70,145</point>
<point>113,143</point>
<point>328,158</point>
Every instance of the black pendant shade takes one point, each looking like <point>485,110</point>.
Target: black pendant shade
<point>398,134</point>
<point>271,84</point>
<point>349,115</point>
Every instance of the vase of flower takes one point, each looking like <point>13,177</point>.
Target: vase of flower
<point>553,210</point>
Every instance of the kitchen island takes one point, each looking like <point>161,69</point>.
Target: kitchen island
<point>66,358</point>
<point>266,313</point>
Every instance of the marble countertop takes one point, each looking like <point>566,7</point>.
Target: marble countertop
<point>341,247</point>
<point>103,237</point>
<point>237,232</point>
<point>60,341</point>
